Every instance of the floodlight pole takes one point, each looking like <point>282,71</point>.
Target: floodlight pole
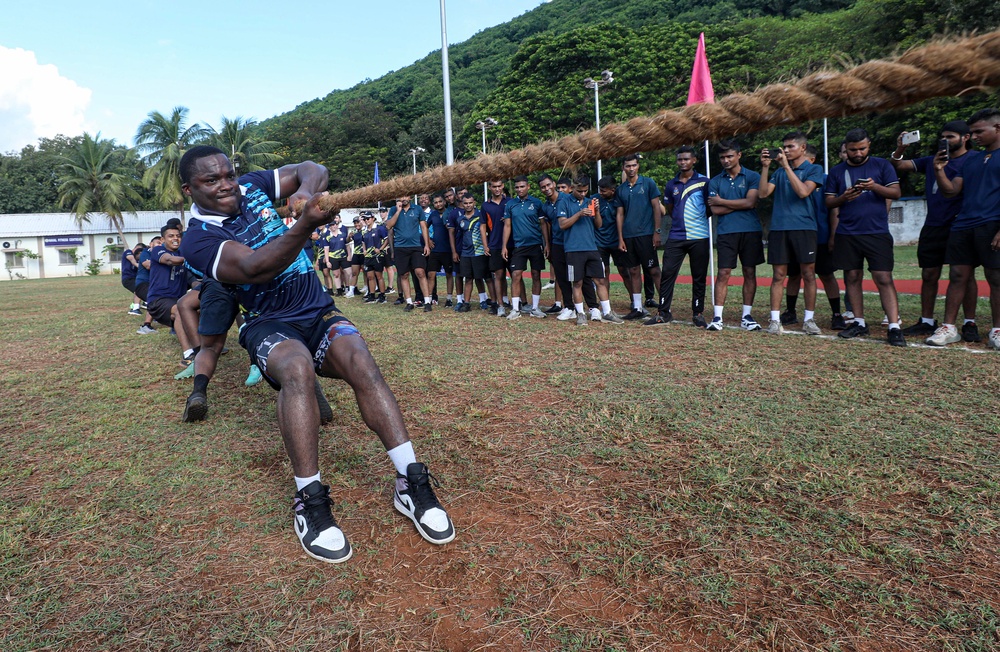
<point>449,148</point>
<point>606,78</point>
<point>414,152</point>
<point>483,125</point>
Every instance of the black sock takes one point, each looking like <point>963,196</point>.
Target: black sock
<point>835,305</point>
<point>201,383</point>
<point>792,300</point>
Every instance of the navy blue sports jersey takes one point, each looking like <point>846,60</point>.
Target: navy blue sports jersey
<point>438,231</point>
<point>168,281</point>
<point>294,294</point>
<point>493,214</point>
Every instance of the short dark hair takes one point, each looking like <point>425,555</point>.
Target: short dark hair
<point>565,181</point>
<point>521,177</point>
<point>191,157</point>
<point>797,136</point>
<point>686,149</point>
<point>728,145</point>
<point>984,114</point>
<point>582,180</point>
<point>168,227</point>
<point>856,135</point>
<point>811,149</point>
<point>630,157</point>
<point>544,177</point>
<point>606,182</point>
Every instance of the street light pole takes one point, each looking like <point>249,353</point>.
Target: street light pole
<point>414,152</point>
<point>606,78</point>
<point>483,125</point>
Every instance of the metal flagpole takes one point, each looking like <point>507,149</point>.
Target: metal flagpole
<point>449,148</point>
<point>826,149</point>
<point>711,254</point>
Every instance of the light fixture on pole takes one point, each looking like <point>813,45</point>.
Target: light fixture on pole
<point>414,152</point>
<point>606,78</point>
<point>483,125</point>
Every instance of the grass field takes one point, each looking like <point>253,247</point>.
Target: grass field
<point>614,488</point>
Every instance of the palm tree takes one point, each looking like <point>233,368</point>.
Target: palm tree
<point>163,141</point>
<point>96,177</point>
<point>236,138</point>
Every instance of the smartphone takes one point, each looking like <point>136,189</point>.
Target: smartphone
<point>860,181</point>
<point>943,146</point>
<point>910,137</point>
<point>773,153</point>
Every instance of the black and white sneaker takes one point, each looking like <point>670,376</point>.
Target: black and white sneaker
<point>195,408</point>
<point>315,526</point>
<point>414,497</point>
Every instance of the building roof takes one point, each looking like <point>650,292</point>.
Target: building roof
<point>29,225</point>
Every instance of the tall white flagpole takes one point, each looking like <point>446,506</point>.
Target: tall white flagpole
<point>711,253</point>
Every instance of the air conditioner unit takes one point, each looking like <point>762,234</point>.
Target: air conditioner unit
<point>6,245</point>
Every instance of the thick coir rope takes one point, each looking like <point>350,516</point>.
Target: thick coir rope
<point>936,70</point>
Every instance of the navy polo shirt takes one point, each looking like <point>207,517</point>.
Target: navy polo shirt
<point>981,188</point>
<point>607,235</point>
<point>493,214</point>
<point>866,215</point>
<point>580,236</point>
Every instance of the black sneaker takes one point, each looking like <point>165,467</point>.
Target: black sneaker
<point>428,307</point>
<point>635,314</point>
<point>837,323</point>
<point>195,408</point>
<point>970,332</point>
<point>651,304</point>
<point>315,526</point>
<point>408,307</point>
<point>414,497</point>
<point>921,329</point>
<point>448,304</point>
<point>854,330</point>
<point>381,298</point>
<point>660,318</point>
<point>895,337</point>
<point>370,297</point>
<point>699,321</point>
<point>398,301</point>
<point>789,317</point>
<point>554,310</point>
<point>465,307</point>
<point>325,411</point>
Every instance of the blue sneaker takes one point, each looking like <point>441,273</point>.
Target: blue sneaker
<point>254,376</point>
<point>484,305</point>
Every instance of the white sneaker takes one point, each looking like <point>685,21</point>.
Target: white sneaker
<point>993,341</point>
<point>946,334</point>
<point>500,311</point>
<point>548,286</point>
<point>810,327</point>
<point>536,313</point>
<point>514,314</point>
<point>349,293</point>
<point>774,327</point>
<point>715,324</point>
<point>566,314</point>
<point>595,314</point>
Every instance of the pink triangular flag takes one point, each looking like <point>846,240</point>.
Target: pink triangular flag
<point>701,91</point>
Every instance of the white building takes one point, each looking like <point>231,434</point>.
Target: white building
<point>50,245</point>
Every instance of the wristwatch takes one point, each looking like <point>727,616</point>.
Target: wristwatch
<point>659,231</point>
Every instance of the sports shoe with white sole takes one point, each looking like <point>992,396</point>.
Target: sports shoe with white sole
<point>581,319</point>
<point>145,330</point>
<point>945,334</point>
<point>715,324</point>
<point>315,526</point>
<point>514,314</point>
<point>774,327</point>
<point>595,314</point>
<point>612,318</point>
<point>810,327</point>
<point>993,340</point>
<point>566,314</point>
<point>748,323</point>
<point>254,376</point>
<point>537,314</point>
<point>548,286</point>
<point>414,498</point>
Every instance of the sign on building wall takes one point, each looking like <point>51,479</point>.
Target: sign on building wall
<point>64,241</point>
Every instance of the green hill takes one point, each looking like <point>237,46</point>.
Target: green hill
<point>528,74</point>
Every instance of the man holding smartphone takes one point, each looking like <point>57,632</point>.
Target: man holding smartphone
<point>941,212</point>
<point>859,187</point>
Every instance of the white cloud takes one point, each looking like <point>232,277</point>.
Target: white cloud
<point>36,101</point>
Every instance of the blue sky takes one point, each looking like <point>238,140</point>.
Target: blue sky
<point>69,67</point>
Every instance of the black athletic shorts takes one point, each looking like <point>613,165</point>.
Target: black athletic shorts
<point>825,264</point>
<point>261,335</point>
<point>217,309</point>
<point>497,262</point>
<point>533,254</point>
<point>973,246</point>
<point>129,284</point>
<point>439,260</point>
<point>475,267</point>
<point>374,263</point>
<point>932,246</point>
<point>749,247</point>
<point>609,254</point>
<point>160,310</point>
<point>408,258</point>
<point>142,290</point>
<point>785,247</point>
<point>641,252</point>
<point>358,259</point>
<point>582,265</point>
<point>851,251</point>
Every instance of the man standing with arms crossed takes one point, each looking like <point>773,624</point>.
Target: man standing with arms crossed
<point>412,246</point>
<point>732,197</point>
<point>523,244</point>
<point>792,236</point>
<point>637,202</point>
<point>975,234</point>
<point>293,331</point>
